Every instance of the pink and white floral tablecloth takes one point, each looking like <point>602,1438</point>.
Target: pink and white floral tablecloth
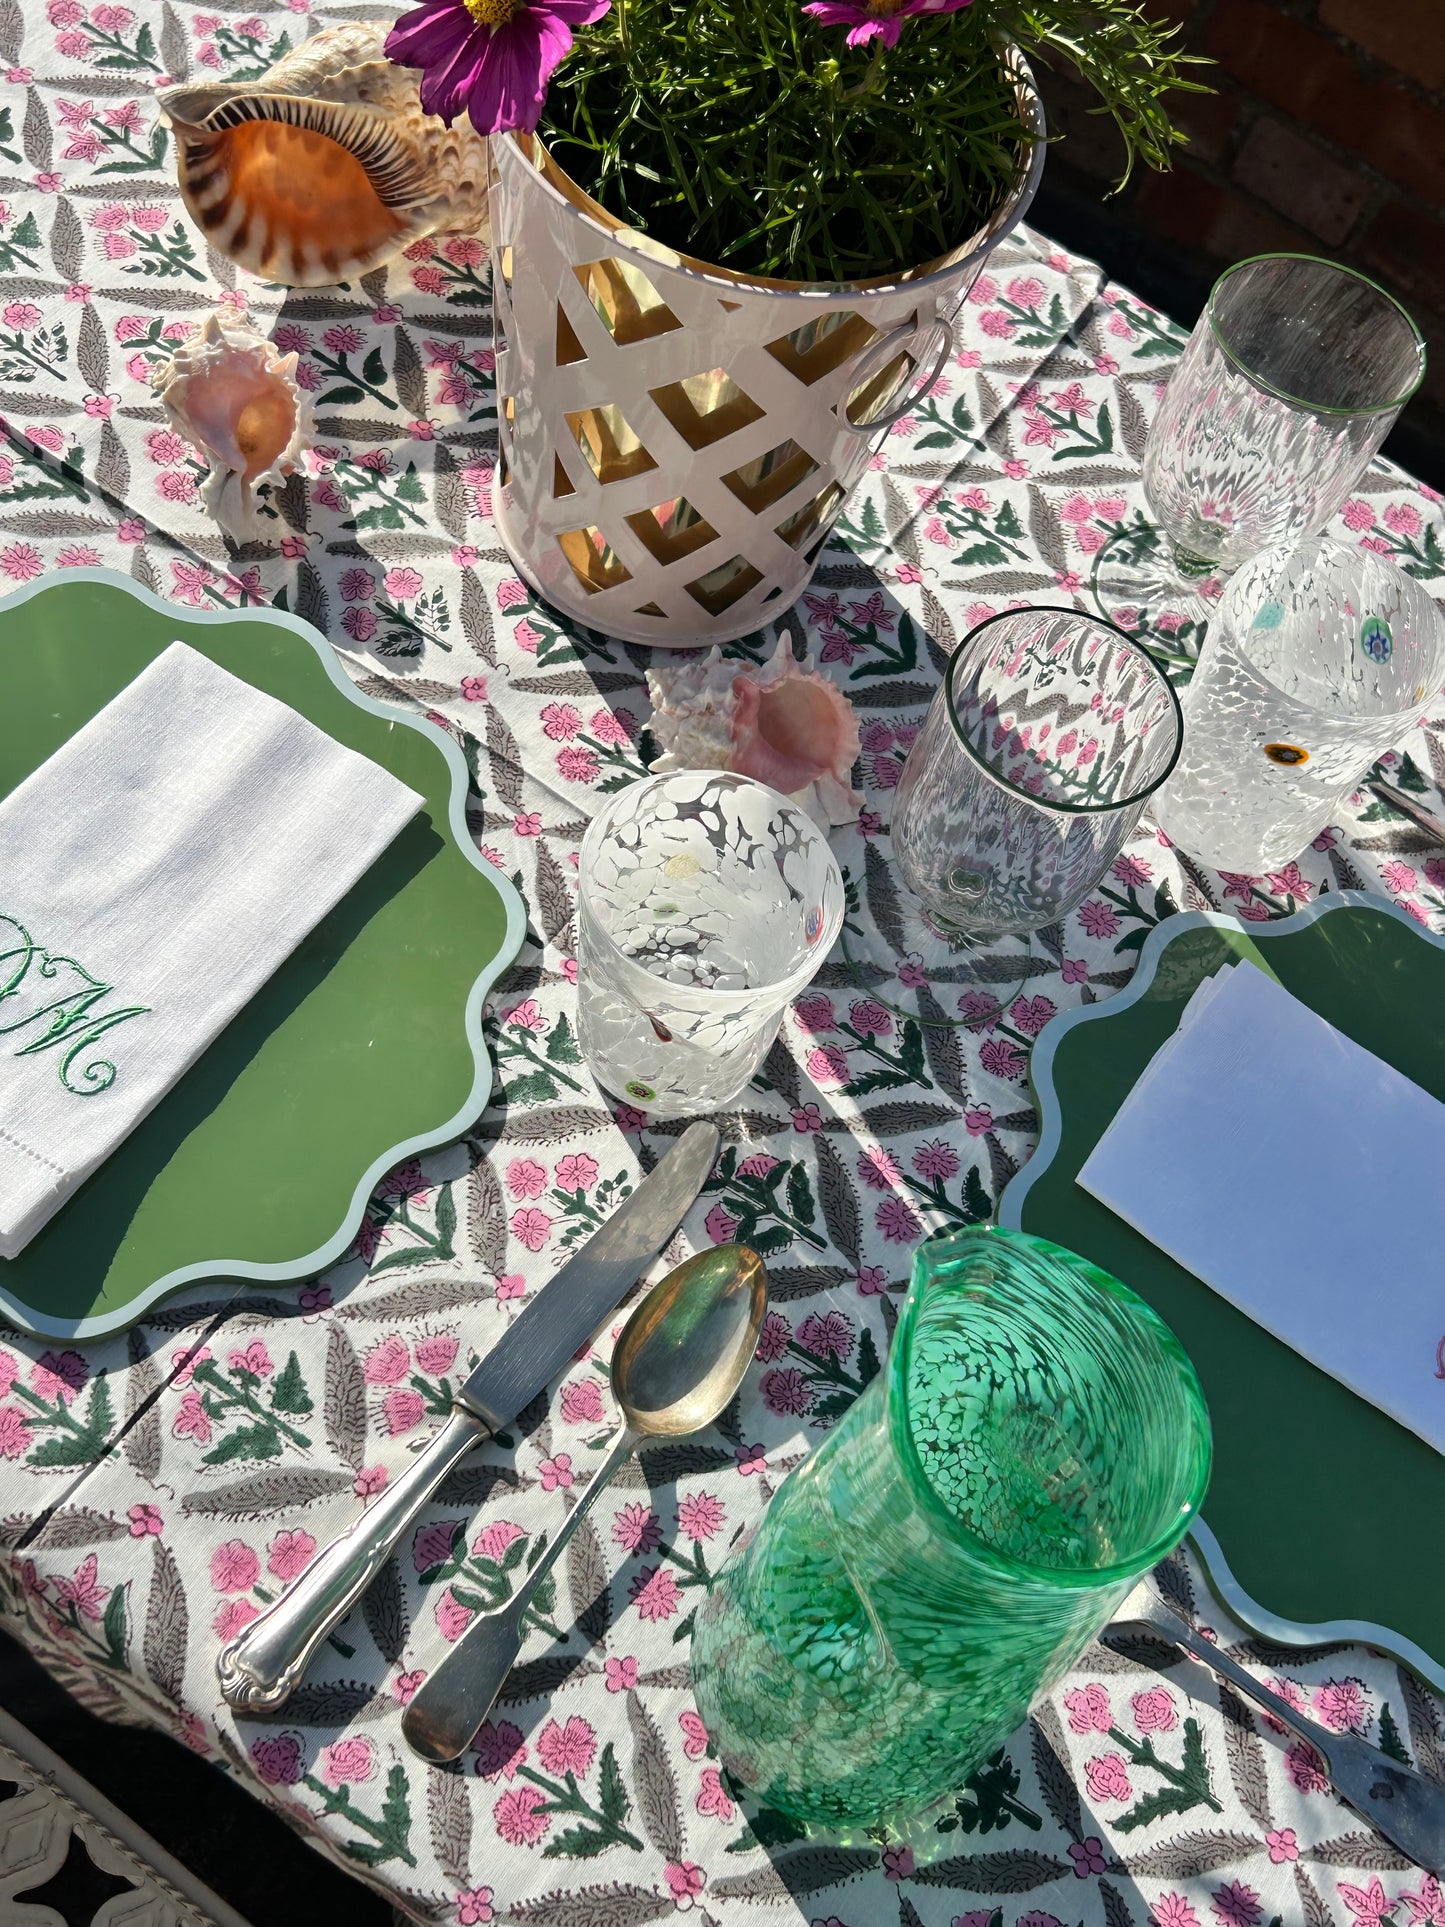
<point>158,1488</point>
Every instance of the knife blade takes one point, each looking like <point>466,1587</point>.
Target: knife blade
<point>261,1667</point>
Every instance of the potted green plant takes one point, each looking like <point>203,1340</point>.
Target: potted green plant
<point>729,241</point>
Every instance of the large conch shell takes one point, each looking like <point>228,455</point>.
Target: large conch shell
<point>784,725</point>
<point>326,166</point>
<point>228,392</point>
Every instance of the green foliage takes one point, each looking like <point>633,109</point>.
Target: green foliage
<point>749,134</point>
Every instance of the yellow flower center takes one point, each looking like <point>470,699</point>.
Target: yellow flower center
<point>492,13</point>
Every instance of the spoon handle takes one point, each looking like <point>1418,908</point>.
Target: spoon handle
<point>458,1695</point>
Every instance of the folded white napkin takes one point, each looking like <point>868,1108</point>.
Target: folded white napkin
<point>1301,1180</point>
<point>153,874</point>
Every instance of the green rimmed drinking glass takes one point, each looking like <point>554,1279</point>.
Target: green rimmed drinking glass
<point>1050,733</point>
<point>1037,1441</point>
<point>1292,378</point>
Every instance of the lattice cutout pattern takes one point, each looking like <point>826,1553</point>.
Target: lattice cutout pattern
<point>612,447</point>
<point>704,408</point>
<point>594,562</point>
<point>672,530</point>
<point>625,301</point>
<point>823,344</point>
<point>709,417</point>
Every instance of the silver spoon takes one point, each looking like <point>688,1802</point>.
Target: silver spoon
<point>680,1358</point>
<point>1400,1804</point>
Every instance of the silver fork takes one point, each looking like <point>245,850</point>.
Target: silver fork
<point>1401,1805</point>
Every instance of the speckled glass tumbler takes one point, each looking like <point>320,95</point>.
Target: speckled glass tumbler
<point>1037,1441</point>
<point>705,903</point>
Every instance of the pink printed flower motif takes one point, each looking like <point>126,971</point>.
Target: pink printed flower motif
<point>1426,1908</point>
<point>577,1172</point>
<point>1088,1709</point>
<point>1173,1910</point>
<point>1087,1856</point>
<point>145,1522</point>
<point>1235,1905</point>
<point>897,1863</point>
<point>1154,1711</point>
<point>712,1795</point>
<point>403,1410</point>
<point>192,1421</point>
<point>567,1749</point>
<point>827,1336</point>
<point>500,1749</point>
<point>620,1675</point>
<point>278,1759</point>
<point>582,1402</point>
<point>1305,1768</point>
<point>492,63</point>
<point>474,1907</point>
<point>234,1567</point>
<point>637,1528</point>
<point>290,1553</point>
<point>436,1353</point>
<point>84,1590</point>
<point>685,1881</point>
<point>526,1178</point>
<point>1342,1705</point>
<point>387,1362</point>
<point>1282,1845</point>
<point>531,1227</point>
<point>348,1762</point>
<point>254,1361</point>
<point>654,1593</point>
<point>556,1471</point>
<point>1107,1778</point>
<point>700,1515</point>
<point>493,1540</point>
<point>515,1815</point>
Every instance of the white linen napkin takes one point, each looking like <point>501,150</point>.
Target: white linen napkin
<point>1301,1181</point>
<point>153,874</point>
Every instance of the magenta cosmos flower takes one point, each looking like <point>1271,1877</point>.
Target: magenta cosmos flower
<point>865,18</point>
<point>489,59</point>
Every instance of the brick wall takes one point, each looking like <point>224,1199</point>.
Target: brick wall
<point>1326,135</point>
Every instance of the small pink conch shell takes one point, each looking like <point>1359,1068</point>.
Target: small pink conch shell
<point>784,725</point>
<point>228,392</point>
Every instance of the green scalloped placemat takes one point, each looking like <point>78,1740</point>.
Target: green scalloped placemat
<point>1323,1514</point>
<point>366,1044</point>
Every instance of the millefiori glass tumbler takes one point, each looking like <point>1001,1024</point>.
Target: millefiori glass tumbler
<point>1036,1442</point>
<point>1292,378</point>
<point>705,903</point>
<point>1320,659</point>
<point>1049,734</point>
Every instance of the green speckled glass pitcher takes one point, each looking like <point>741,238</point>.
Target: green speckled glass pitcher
<point>1037,1442</point>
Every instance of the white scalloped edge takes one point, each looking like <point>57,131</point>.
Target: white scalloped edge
<point>103,1325</point>
<point>1248,1611</point>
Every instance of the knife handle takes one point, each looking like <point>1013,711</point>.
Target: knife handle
<point>262,1666</point>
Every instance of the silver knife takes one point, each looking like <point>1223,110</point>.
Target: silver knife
<point>261,1667</point>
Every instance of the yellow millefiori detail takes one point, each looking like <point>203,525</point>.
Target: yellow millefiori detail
<point>493,13</point>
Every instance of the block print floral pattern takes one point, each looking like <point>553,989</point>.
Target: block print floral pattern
<point>171,1481</point>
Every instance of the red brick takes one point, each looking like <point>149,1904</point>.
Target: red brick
<point>1406,251</point>
<point>1289,64</point>
<point>1409,34</point>
<point>1186,207</point>
<point>1300,181</point>
<point>1208,120</point>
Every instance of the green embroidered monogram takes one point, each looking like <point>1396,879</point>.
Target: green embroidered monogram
<point>44,985</point>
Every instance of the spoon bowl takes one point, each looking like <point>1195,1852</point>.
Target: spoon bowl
<point>677,1362</point>
<point>683,1352</point>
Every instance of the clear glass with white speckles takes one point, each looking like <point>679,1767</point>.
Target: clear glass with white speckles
<point>706,902</point>
<point>1036,1442</point>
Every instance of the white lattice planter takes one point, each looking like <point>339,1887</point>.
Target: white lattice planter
<point>677,440</point>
